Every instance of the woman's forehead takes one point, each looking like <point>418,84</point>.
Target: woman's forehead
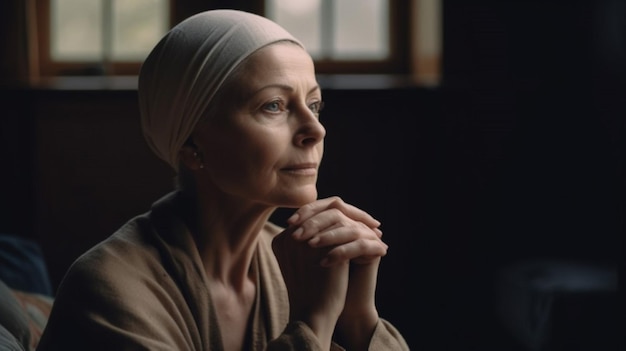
<point>279,63</point>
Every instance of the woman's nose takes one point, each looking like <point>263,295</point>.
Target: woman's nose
<point>310,130</point>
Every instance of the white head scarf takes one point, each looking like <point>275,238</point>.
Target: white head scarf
<point>184,71</point>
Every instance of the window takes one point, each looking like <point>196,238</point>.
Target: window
<point>336,30</point>
<point>112,37</point>
<point>109,37</point>
<point>348,36</point>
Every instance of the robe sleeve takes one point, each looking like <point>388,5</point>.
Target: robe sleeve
<point>105,305</point>
<point>387,337</point>
<point>298,336</point>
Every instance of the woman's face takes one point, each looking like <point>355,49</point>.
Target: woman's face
<point>264,142</point>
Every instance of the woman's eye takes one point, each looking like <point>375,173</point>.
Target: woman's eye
<point>316,107</point>
<point>274,106</point>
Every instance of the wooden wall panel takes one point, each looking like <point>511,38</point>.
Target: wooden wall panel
<point>93,170</point>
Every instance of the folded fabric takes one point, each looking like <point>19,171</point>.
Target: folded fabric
<point>22,265</point>
<point>23,316</point>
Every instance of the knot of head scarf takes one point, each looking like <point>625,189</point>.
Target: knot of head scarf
<point>184,71</point>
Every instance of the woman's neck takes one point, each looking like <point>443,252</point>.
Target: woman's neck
<point>226,233</point>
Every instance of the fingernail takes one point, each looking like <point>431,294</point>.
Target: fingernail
<point>298,232</point>
<point>314,241</point>
<point>294,217</point>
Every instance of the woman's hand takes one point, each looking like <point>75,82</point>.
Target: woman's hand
<point>349,232</point>
<point>346,234</point>
<point>317,294</point>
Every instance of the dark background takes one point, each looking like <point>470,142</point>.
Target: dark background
<point>518,154</point>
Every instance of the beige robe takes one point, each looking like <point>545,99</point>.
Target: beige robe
<point>144,288</point>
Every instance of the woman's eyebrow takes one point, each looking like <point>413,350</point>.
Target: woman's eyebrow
<point>269,86</point>
<point>315,88</point>
<point>284,87</point>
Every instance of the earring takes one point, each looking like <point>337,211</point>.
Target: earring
<point>197,157</point>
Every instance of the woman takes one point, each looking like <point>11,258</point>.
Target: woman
<point>230,100</point>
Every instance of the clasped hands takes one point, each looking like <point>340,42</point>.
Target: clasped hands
<point>329,257</point>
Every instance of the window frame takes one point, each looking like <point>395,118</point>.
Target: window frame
<point>398,62</point>
<point>50,68</point>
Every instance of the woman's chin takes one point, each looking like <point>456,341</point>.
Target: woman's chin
<point>301,198</point>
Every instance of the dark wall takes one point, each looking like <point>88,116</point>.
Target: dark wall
<point>535,99</point>
<point>93,170</point>
<point>539,87</point>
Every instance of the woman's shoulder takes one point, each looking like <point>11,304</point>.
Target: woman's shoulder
<point>120,284</point>
<point>125,254</point>
<point>134,245</point>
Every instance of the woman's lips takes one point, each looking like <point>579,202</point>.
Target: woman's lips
<point>302,169</point>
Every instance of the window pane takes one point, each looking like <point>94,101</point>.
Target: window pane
<point>76,30</point>
<point>301,18</point>
<point>361,29</point>
<point>137,26</point>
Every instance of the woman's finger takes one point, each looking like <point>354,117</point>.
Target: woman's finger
<point>309,210</point>
<point>320,222</point>
<point>342,234</point>
<point>361,251</point>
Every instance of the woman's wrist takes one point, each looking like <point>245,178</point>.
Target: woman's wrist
<point>354,331</point>
<point>323,326</point>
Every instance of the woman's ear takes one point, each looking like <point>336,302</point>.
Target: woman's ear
<point>191,157</point>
